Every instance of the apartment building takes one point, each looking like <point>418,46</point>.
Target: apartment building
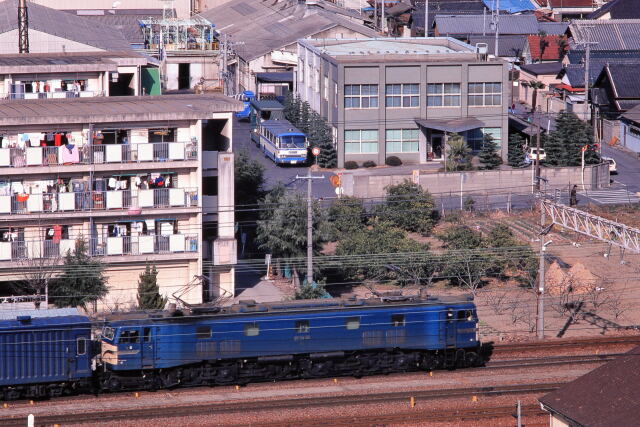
<point>140,179</point>
<point>403,97</point>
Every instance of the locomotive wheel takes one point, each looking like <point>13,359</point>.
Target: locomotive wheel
<point>471,359</point>
<point>431,362</point>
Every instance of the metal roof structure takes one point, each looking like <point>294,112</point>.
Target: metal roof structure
<point>480,24</point>
<point>548,68</point>
<point>613,34</point>
<point>64,25</point>
<point>455,125</point>
<point>127,21</point>
<point>553,28</point>
<point>114,109</point>
<point>618,9</point>
<point>264,26</point>
<point>43,313</point>
<point>455,7</point>
<point>68,62</point>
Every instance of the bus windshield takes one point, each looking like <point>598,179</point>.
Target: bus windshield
<point>292,141</point>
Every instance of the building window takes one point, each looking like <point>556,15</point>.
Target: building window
<point>485,94</point>
<point>475,137</point>
<point>316,80</point>
<point>360,96</point>
<point>335,95</point>
<point>325,89</point>
<point>634,131</point>
<point>360,141</point>
<point>352,323</point>
<point>301,71</point>
<point>443,94</point>
<point>402,140</point>
<point>403,95</point>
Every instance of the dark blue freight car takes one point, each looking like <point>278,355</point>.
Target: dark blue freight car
<point>297,339</point>
<point>44,353</point>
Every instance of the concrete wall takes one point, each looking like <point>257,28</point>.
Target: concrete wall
<point>516,180</point>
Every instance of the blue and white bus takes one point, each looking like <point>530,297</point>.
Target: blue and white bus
<point>282,142</point>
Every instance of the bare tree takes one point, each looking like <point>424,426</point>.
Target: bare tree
<point>36,274</point>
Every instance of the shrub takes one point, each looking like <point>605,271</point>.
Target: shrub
<point>350,164</point>
<point>393,161</point>
<point>369,164</point>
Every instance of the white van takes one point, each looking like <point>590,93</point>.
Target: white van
<point>613,166</point>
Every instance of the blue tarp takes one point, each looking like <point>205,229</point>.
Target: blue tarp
<point>511,6</point>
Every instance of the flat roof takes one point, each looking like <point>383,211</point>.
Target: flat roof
<point>16,63</point>
<point>114,109</point>
<point>381,47</point>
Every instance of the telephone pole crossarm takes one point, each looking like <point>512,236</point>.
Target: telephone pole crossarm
<point>593,226</point>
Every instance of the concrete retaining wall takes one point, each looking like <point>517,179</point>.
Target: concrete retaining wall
<point>480,182</point>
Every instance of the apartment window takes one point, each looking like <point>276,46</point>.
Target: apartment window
<point>325,89</point>
<point>403,95</point>
<point>485,94</point>
<point>352,323</point>
<point>402,140</point>
<point>301,70</point>
<point>360,141</point>
<point>475,137</point>
<point>443,94</point>
<point>335,95</point>
<point>316,80</point>
<point>360,96</point>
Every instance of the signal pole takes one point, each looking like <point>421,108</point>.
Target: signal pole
<point>309,178</point>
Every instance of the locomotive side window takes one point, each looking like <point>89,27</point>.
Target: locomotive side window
<point>251,330</point>
<point>203,332</point>
<point>465,315</point>
<point>302,326</point>
<point>146,335</point>
<point>397,320</point>
<point>353,323</point>
<point>81,348</point>
<point>130,336</point>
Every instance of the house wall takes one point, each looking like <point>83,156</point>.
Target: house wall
<point>630,135</point>
<point>526,93</point>
<point>330,102</point>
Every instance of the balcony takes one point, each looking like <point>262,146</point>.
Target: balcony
<point>107,247</point>
<point>91,201</point>
<point>98,154</point>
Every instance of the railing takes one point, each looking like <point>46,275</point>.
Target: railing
<point>98,154</point>
<point>84,201</point>
<point>103,247</point>
<point>60,94</point>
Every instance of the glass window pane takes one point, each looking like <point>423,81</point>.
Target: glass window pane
<point>452,100</point>
<point>434,88</point>
<point>409,147</point>
<point>369,135</point>
<point>365,102</point>
<point>406,101</point>
<point>347,102</point>
<point>434,101</point>
<point>352,135</point>
<point>475,87</point>
<point>355,89</point>
<point>393,146</point>
<point>410,134</point>
<point>393,134</point>
<point>374,102</point>
<point>365,89</point>
<point>495,100</point>
<point>393,89</point>
<point>415,101</point>
<point>392,101</point>
<point>475,99</point>
<point>351,147</point>
<point>347,89</point>
<point>369,147</point>
<point>414,88</point>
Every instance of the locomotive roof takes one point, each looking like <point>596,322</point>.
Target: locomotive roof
<point>248,307</point>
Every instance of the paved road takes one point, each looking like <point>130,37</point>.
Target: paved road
<point>275,174</point>
<point>628,167</point>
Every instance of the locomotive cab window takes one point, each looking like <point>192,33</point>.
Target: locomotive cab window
<point>81,346</point>
<point>465,315</point>
<point>302,326</point>
<point>203,332</point>
<point>352,323</point>
<point>397,320</point>
<point>146,335</point>
<point>130,336</point>
<point>251,330</point>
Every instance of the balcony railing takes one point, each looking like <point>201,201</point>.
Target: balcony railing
<point>98,154</point>
<point>86,201</point>
<point>60,94</point>
<point>105,247</point>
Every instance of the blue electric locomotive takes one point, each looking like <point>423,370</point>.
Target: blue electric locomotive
<point>297,339</point>
<point>44,353</point>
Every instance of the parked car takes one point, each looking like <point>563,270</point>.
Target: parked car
<point>613,166</point>
<point>533,154</point>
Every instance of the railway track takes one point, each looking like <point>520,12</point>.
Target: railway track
<point>286,404</point>
<point>551,361</point>
<point>565,344</point>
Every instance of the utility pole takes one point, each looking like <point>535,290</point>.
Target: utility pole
<point>586,30</point>
<point>375,15</point>
<point>384,20</point>
<point>426,18</point>
<point>23,27</point>
<point>224,74</point>
<point>497,21</point>
<point>540,293</point>
<point>537,151</point>
<point>309,178</point>
<point>226,49</point>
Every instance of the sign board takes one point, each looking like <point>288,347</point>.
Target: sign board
<point>415,176</point>
<point>334,180</point>
<point>316,151</point>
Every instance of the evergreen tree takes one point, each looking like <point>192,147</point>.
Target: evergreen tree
<point>304,120</point>
<point>319,135</point>
<point>564,146</point>
<point>515,150</point>
<point>311,291</point>
<point>149,297</point>
<point>288,106</point>
<point>82,280</point>
<point>409,207</point>
<point>489,153</point>
<point>347,215</point>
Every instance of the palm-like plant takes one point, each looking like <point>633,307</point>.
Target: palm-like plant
<point>458,153</point>
<point>535,85</point>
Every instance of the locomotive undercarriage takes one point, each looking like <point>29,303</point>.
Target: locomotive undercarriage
<point>288,367</point>
<point>44,391</point>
